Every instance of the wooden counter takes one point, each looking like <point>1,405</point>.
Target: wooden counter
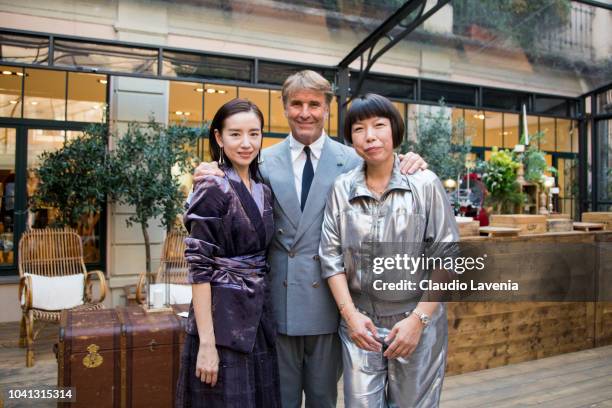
<point>490,334</point>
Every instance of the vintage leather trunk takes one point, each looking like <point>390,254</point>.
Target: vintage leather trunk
<point>123,357</point>
<point>528,224</point>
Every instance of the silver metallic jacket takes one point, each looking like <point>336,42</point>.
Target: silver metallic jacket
<point>413,209</point>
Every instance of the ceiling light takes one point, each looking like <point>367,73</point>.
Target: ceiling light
<point>103,81</point>
<point>179,112</point>
<point>221,91</point>
<point>199,89</point>
<point>34,103</point>
<point>13,102</point>
<point>210,90</point>
<point>7,72</point>
<point>19,73</point>
<point>187,113</point>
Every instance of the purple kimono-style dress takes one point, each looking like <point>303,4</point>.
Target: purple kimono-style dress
<point>229,231</point>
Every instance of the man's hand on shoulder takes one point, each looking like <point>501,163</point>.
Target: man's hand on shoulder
<point>411,162</point>
<point>206,169</point>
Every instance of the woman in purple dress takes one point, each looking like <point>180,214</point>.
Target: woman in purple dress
<point>229,356</point>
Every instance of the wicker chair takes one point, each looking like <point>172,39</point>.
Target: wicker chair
<point>51,253</point>
<point>173,267</point>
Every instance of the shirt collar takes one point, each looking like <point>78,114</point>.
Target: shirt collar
<point>359,187</point>
<point>297,147</point>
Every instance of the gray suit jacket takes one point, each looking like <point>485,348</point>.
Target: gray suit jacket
<point>303,303</point>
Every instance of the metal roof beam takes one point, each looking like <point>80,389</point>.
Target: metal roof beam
<point>396,20</point>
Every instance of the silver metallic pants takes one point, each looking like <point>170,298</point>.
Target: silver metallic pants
<point>372,381</point>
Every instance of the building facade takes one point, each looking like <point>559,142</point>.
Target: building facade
<point>67,63</point>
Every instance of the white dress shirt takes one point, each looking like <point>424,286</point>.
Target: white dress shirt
<point>298,158</point>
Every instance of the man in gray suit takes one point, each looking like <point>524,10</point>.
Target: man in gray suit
<point>301,171</point>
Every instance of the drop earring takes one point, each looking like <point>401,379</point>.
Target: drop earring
<point>259,158</point>
<point>221,158</point>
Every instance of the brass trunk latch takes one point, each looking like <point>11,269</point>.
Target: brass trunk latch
<point>93,359</point>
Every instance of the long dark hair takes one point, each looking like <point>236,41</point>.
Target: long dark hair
<point>231,108</point>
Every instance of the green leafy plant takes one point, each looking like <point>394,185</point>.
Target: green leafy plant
<point>499,176</point>
<point>74,179</point>
<point>534,160</point>
<point>146,165</point>
<point>439,143</point>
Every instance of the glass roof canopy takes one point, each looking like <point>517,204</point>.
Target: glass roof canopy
<point>535,45</point>
<point>531,45</point>
<point>560,47</point>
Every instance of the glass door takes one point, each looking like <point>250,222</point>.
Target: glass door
<point>48,140</point>
<point>21,146</point>
<point>8,138</point>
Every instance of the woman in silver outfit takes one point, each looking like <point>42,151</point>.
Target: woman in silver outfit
<point>394,342</point>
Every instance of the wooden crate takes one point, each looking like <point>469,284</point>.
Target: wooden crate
<point>468,228</point>
<point>558,216</point>
<point>599,217</point>
<point>559,225</point>
<point>527,223</point>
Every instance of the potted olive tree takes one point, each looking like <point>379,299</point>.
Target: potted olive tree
<point>439,141</point>
<point>146,165</point>
<point>75,179</point>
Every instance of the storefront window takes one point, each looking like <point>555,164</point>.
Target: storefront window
<point>493,122</point>
<point>185,103</point>
<point>24,49</point>
<point>44,140</point>
<point>568,185</point>
<point>532,127</point>
<point>215,96</point>
<point>457,117</point>
<point>181,64</point>
<point>333,118</point>
<point>511,130</point>
<point>547,127</point>
<point>108,57</point>
<point>565,135</point>
<point>261,98</point>
<point>474,126</point>
<point>7,201</point>
<point>11,80</point>
<point>45,94</point>
<point>86,97</point>
<point>278,121</point>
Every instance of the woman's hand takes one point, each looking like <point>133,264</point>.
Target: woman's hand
<point>362,331</point>
<point>404,337</point>
<point>205,169</point>
<point>207,364</point>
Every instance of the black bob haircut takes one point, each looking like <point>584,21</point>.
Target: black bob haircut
<point>231,108</point>
<point>374,105</point>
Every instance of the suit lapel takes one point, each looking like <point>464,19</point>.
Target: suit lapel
<point>331,164</point>
<point>280,172</point>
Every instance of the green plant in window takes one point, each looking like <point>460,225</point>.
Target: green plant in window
<point>439,142</point>
<point>534,160</point>
<point>146,166</point>
<point>499,175</point>
<point>74,179</point>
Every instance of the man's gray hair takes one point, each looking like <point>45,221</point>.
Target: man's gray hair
<point>307,80</point>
